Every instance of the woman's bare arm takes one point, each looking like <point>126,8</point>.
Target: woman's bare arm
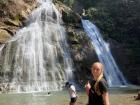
<point>105,96</point>
<point>87,86</point>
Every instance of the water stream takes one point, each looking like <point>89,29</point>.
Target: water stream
<point>112,72</point>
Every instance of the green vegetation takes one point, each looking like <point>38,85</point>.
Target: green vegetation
<point>68,2</point>
<point>119,19</point>
<point>3,1</point>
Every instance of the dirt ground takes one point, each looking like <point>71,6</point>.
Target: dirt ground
<point>115,99</point>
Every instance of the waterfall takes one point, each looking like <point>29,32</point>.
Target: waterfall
<point>37,58</point>
<point>112,73</point>
<point>1,48</point>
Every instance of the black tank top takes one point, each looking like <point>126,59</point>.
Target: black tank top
<point>94,98</point>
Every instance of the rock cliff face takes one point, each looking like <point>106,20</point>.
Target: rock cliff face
<point>13,14</point>
<point>81,50</point>
<point>124,60</point>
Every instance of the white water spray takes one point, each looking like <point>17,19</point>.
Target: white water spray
<point>37,58</point>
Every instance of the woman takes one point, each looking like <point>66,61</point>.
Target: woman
<point>97,90</point>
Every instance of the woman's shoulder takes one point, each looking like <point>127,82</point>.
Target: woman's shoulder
<point>103,85</point>
<point>103,81</point>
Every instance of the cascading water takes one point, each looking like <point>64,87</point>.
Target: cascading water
<point>37,58</point>
<point>112,73</point>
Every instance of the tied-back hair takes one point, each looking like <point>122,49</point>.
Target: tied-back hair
<point>96,86</point>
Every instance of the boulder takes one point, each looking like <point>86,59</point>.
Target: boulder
<point>68,15</point>
<point>12,22</point>
<point>138,96</point>
<point>4,36</point>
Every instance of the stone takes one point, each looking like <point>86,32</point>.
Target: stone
<point>4,36</point>
<point>138,96</point>
<point>12,22</point>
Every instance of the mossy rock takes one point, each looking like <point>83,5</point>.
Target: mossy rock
<point>68,15</point>
<point>12,22</point>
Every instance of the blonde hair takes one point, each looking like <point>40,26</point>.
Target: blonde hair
<point>96,85</point>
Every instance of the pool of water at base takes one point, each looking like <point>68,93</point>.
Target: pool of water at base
<point>58,97</point>
<point>42,98</point>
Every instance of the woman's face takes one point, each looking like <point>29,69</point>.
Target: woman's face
<point>96,70</point>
